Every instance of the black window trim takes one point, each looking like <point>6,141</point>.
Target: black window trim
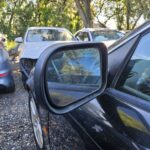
<point>127,59</point>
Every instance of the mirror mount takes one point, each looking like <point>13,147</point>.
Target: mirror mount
<point>40,86</point>
<point>19,40</point>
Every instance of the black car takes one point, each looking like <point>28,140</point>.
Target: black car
<point>106,97</point>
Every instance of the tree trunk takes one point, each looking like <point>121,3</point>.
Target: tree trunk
<point>84,10</point>
<point>127,15</point>
<point>119,17</point>
<point>12,15</point>
<point>136,21</point>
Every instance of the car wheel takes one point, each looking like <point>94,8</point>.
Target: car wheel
<point>40,123</point>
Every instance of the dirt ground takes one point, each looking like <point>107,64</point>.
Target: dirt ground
<point>15,126</point>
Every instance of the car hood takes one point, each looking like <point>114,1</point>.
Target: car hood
<point>32,50</point>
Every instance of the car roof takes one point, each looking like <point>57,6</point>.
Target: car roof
<point>95,29</point>
<point>55,28</point>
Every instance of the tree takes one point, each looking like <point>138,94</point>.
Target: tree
<point>17,15</point>
<point>128,13</point>
<point>125,13</point>
<point>60,13</point>
<point>14,19</point>
<point>85,12</point>
<point>103,9</point>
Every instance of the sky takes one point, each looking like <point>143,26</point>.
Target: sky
<point>112,25</point>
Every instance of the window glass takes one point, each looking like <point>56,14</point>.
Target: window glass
<point>40,35</point>
<point>106,35</point>
<point>136,77</point>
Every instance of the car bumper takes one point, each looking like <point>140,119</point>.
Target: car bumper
<point>6,82</point>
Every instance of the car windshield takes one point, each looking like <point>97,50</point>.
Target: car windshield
<point>41,35</point>
<point>106,35</point>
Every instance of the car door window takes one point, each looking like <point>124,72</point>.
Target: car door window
<point>83,36</point>
<point>136,77</point>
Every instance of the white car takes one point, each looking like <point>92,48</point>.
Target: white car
<point>105,35</point>
<point>35,41</point>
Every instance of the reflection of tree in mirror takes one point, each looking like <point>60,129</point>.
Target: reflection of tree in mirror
<point>79,61</point>
<point>81,52</point>
<point>75,66</point>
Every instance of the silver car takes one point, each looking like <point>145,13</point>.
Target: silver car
<point>6,79</point>
<point>35,41</point>
<point>104,35</point>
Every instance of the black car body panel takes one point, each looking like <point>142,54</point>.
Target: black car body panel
<point>117,120</point>
<point>101,119</point>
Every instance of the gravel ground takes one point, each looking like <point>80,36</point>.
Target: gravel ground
<point>15,126</point>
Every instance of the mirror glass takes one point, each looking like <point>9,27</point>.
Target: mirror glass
<point>72,75</point>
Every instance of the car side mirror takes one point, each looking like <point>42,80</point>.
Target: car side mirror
<point>19,40</point>
<point>69,75</point>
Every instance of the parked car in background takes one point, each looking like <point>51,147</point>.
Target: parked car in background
<point>106,100</point>
<point>6,79</point>
<point>107,36</point>
<point>35,41</point>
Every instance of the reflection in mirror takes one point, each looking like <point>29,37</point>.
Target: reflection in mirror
<point>72,75</point>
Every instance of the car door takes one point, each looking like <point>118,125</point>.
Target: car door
<point>120,118</point>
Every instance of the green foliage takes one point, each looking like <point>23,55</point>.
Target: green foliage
<point>17,15</point>
<point>126,13</point>
<point>10,45</point>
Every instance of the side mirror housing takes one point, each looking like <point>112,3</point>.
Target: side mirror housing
<point>70,75</point>
<point>19,40</point>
